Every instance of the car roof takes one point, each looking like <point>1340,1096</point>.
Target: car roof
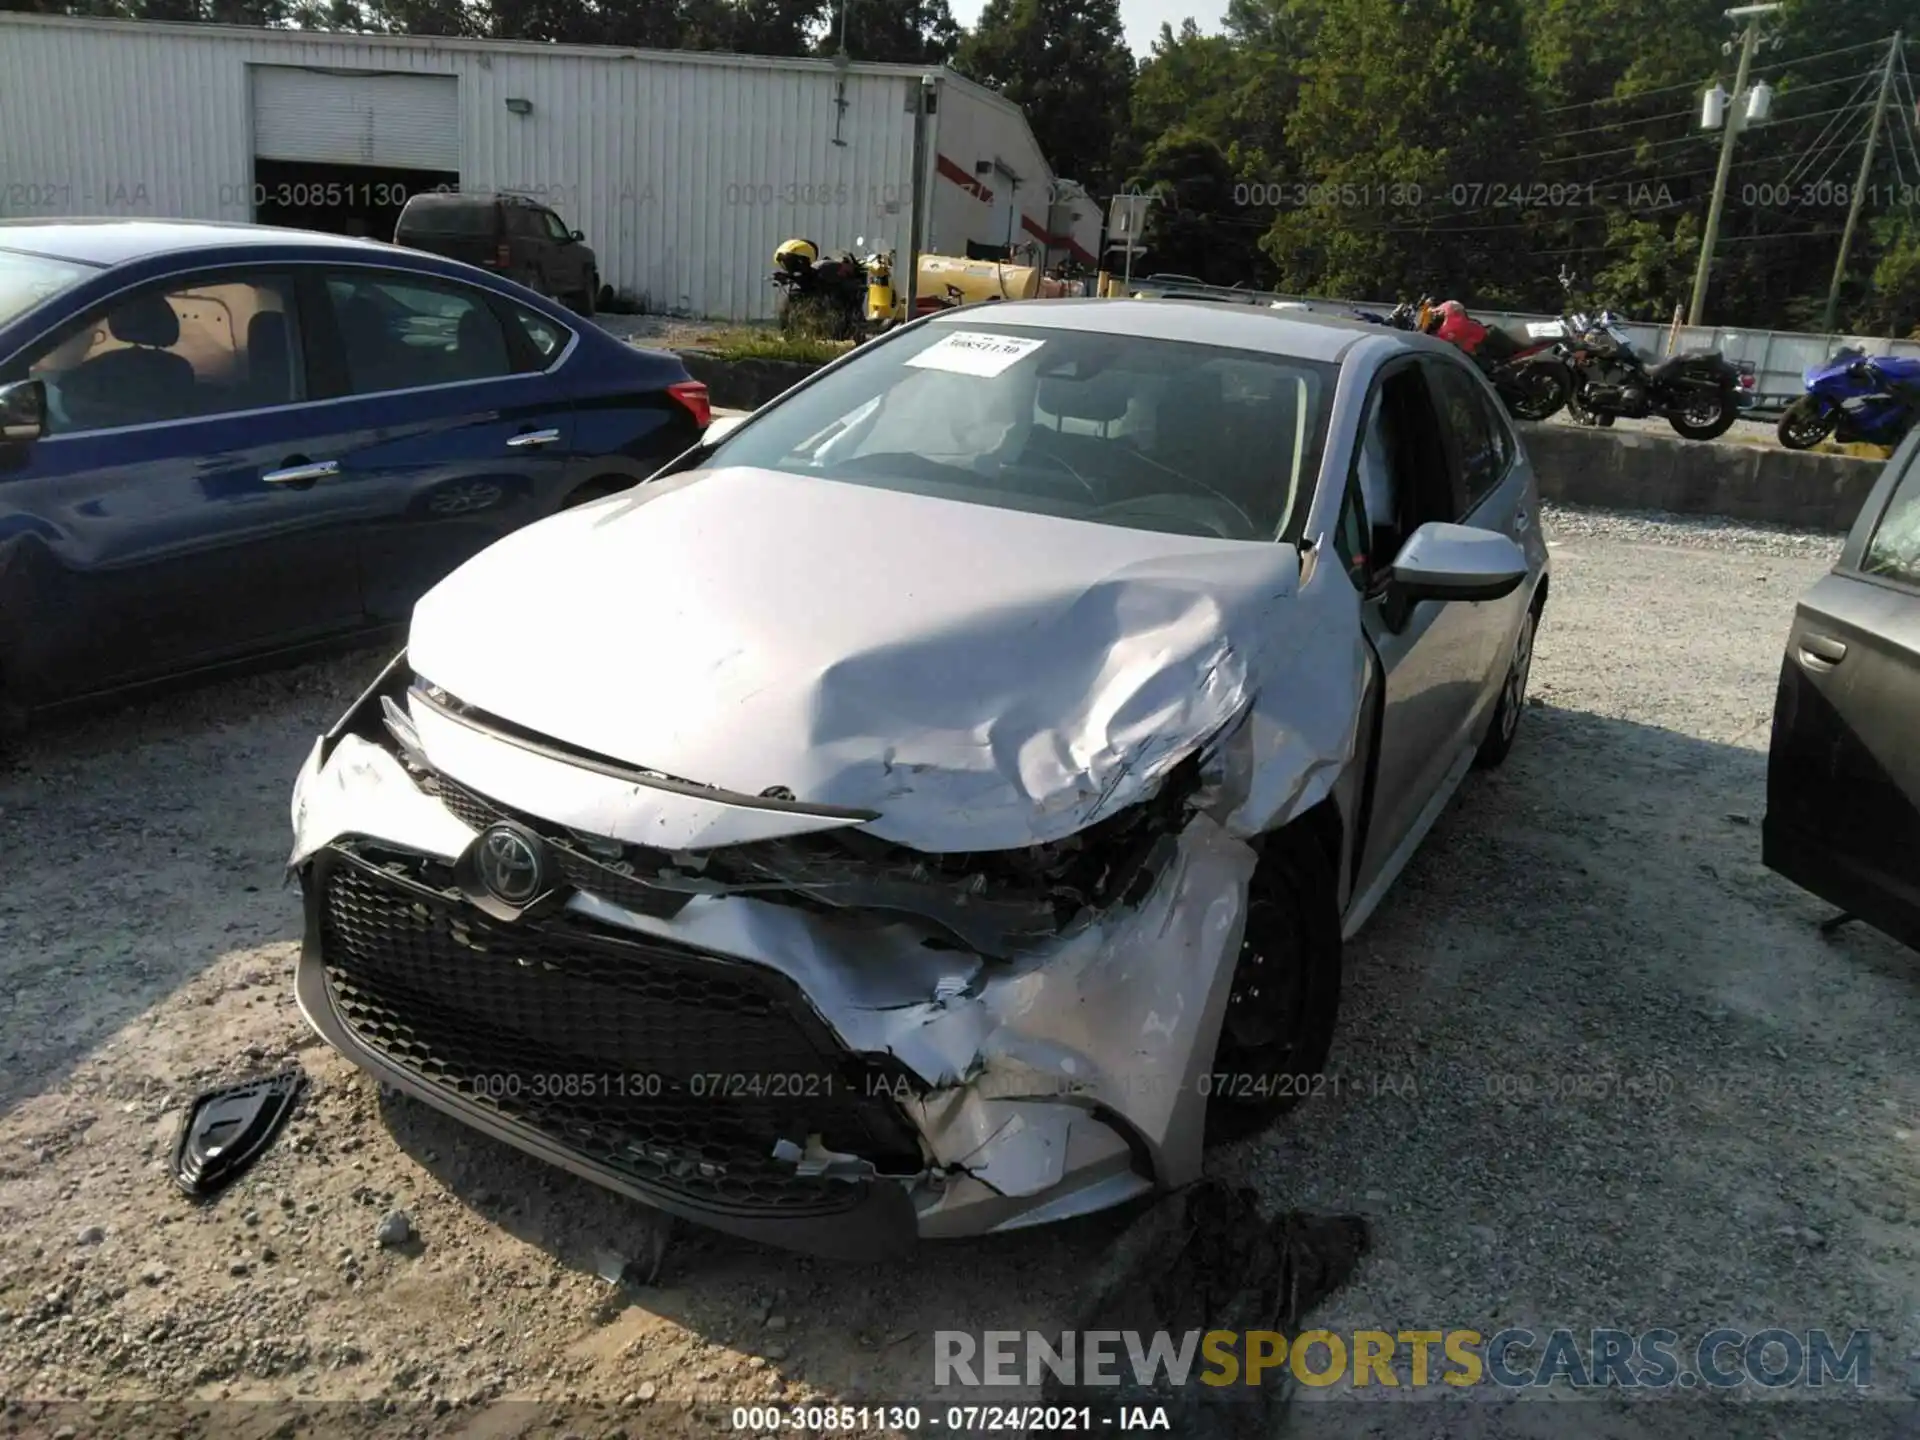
<point>1299,333</point>
<point>116,242</point>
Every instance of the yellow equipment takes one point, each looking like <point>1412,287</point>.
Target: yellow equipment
<point>977,280</point>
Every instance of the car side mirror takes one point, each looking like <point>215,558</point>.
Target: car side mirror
<point>576,236</point>
<point>23,412</point>
<point>720,427</point>
<point>1456,562</point>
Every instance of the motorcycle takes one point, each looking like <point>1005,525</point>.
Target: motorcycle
<point>830,298</point>
<point>1855,399</point>
<point>1532,378</point>
<point>1698,392</point>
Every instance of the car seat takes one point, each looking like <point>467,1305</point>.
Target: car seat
<point>479,347</point>
<point>269,360</point>
<point>369,345</point>
<point>140,384</point>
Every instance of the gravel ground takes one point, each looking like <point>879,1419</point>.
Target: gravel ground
<point>1595,913</point>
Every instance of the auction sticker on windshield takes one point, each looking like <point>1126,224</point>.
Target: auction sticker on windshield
<point>970,352</point>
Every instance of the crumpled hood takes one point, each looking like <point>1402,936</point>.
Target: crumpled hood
<point>982,678</point>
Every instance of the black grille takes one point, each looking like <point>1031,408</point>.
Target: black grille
<point>678,1069</point>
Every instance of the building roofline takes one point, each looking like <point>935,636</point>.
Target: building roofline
<point>456,44</point>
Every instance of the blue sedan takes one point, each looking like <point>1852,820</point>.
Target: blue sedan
<point>220,442</point>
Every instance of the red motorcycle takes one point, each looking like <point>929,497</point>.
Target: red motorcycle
<point>1533,381</point>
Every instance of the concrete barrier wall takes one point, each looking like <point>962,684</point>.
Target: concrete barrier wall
<point>1627,470</point>
<point>1604,469</point>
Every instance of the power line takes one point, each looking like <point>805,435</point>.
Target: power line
<point>1822,55</point>
<point>1837,124</point>
<point>1622,99</point>
<point>1620,124</point>
<point>1687,139</point>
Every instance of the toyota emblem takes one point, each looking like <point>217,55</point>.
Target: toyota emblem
<point>510,865</point>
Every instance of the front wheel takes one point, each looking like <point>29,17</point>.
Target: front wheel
<point>1805,424</point>
<point>1537,390</point>
<point>1705,414</point>
<point>1285,996</point>
<point>1513,699</point>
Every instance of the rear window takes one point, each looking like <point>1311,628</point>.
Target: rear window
<point>448,217</point>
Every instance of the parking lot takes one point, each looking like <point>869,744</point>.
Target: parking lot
<point>1596,1068</point>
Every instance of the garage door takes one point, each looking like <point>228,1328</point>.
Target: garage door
<point>406,122</point>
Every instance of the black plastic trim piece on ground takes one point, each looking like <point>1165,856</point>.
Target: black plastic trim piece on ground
<point>227,1129</point>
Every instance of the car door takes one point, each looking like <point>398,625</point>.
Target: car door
<point>1431,654</point>
<point>450,426</point>
<point>1843,778</point>
<point>155,538</point>
<point>1496,494</point>
<point>568,256</point>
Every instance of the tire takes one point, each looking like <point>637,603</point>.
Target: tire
<point>1583,416</point>
<point>1805,424</point>
<point>1538,390</point>
<point>1280,1016</point>
<point>1724,413</point>
<point>1498,742</point>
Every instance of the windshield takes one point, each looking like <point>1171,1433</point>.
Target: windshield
<point>449,217</point>
<point>1114,429</point>
<point>26,280</point>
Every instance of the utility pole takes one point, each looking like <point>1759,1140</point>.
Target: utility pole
<point>1730,123</point>
<point>1860,186</point>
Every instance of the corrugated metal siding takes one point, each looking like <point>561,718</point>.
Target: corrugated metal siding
<point>408,122</point>
<point>684,176</point>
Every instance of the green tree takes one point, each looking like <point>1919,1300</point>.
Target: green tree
<point>1405,126</point>
<point>901,32</point>
<point>1067,64</point>
<point>1197,228</point>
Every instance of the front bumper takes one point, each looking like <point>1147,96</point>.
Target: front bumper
<point>827,1083</point>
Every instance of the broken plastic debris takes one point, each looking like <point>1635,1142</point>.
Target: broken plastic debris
<point>818,1162</point>
<point>226,1130</point>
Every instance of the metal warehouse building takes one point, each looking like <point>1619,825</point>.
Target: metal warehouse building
<point>685,169</point>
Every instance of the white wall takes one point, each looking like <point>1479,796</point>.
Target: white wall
<point>975,125</point>
<point>684,171</point>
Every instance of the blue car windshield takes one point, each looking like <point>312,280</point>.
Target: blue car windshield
<point>26,280</point>
<point>1146,434</point>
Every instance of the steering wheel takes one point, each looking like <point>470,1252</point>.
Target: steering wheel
<point>1222,520</point>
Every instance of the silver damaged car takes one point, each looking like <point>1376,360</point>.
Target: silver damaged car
<point>936,804</point>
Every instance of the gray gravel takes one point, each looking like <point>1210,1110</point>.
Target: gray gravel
<point>1592,914</point>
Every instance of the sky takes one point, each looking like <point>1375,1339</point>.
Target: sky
<point>1142,18</point>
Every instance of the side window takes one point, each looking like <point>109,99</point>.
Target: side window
<point>404,334</point>
<point>521,223</point>
<point>1463,412</point>
<point>1350,535</point>
<point>1894,550</point>
<point>546,336</point>
<point>1501,433</point>
<point>556,227</point>
<point>182,350</point>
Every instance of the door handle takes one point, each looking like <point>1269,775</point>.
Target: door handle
<point>532,438</point>
<point>1821,652</point>
<point>303,473</point>
<point>1522,521</point>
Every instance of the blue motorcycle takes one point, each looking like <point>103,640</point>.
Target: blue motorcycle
<point>1855,399</point>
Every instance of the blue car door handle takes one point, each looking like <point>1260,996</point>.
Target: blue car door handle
<point>303,472</point>
<point>533,437</point>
